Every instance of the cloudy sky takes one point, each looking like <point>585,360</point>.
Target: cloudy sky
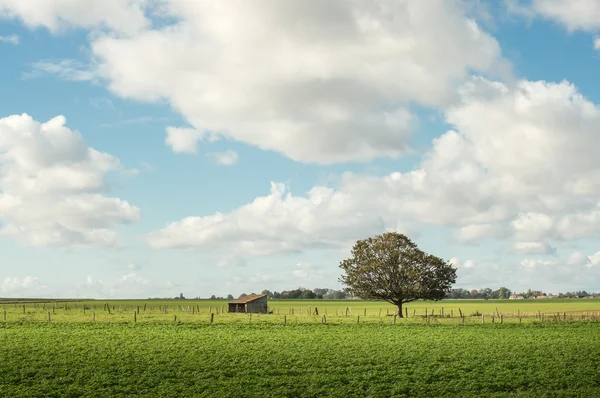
<point>152,147</point>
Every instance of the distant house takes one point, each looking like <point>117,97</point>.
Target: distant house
<point>541,297</point>
<point>253,303</point>
<point>516,297</point>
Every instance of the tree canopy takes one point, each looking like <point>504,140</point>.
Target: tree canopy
<point>391,267</point>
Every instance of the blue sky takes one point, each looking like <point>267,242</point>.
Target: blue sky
<point>150,148</point>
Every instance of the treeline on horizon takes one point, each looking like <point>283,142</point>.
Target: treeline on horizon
<point>501,293</point>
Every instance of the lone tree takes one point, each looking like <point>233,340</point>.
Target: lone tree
<point>391,267</point>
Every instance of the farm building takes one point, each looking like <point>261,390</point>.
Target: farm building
<point>254,303</point>
<point>516,297</point>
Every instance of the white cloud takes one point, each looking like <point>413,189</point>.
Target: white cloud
<point>460,264</point>
<point>121,16</point>
<point>19,285</point>
<point>534,248</point>
<point>536,263</point>
<point>522,164</point>
<point>51,186</point>
<point>183,139</point>
<point>279,222</point>
<point>11,39</point>
<point>133,278</point>
<point>574,15</point>
<point>307,79</point>
<point>227,158</point>
<point>532,226</point>
<point>580,259</point>
<point>66,69</point>
<point>597,43</point>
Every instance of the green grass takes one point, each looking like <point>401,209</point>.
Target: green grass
<point>302,360</point>
<point>303,311</point>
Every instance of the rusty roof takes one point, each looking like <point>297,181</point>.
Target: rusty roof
<point>247,299</point>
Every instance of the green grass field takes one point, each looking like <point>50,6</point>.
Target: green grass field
<point>302,311</point>
<point>553,350</point>
<point>366,360</point>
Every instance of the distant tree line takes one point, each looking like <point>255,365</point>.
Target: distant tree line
<point>485,293</point>
<point>303,293</point>
<point>505,293</point>
<point>459,293</point>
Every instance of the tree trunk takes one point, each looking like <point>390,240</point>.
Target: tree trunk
<point>400,315</point>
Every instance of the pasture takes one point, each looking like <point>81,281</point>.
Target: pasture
<point>171,349</point>
<point>303,311</point>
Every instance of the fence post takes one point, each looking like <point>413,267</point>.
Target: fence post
<point>324,319</point>
<point>48,316</point>
<point>358,319</point>
<point>405,312</point>
<point>174,318</point>
<point>395,318</point>
<point>4,316</point>
<point>134,317</point>
<point>482,319</point>
<point>365,312</point>
<point>501,319</point>
<point>212,317</point>
<point>285,319</point>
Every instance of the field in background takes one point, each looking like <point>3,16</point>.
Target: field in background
<point>302,360</point>
<point>303,311</point>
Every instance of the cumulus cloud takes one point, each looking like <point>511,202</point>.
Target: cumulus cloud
<point>580,259</point>
<point>460,264</point>
<point>534,248</point>
<point>11,284</point>
<point>51,186</point>
<point>521,163</point>
<point>574,15</point>
<point>279,222</point>
<point>121,16</point>
<point>308,79</point>
<point>227,158</point>
<point>133,278</point>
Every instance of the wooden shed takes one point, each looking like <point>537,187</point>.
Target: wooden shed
<point>253,303</point>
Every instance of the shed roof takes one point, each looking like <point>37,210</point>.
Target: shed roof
<point>248,299</point>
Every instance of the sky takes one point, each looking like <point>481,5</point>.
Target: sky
<point>155,147</point>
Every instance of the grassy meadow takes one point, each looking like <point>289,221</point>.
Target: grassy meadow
<point>302,311</point>
<point>171,349</point>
